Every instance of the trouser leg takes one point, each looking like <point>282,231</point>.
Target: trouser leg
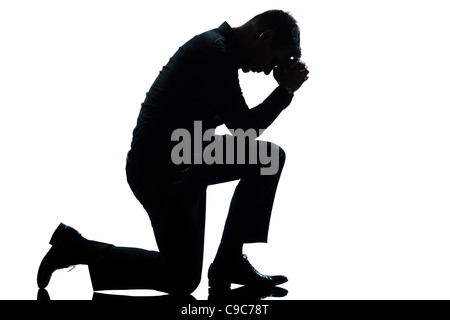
<point>251,206</point>
<point>177,213</point>
<point>126,268</point>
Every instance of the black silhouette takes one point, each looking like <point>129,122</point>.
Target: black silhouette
<point>199,83</point>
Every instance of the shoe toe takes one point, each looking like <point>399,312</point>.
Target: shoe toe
<point>45,270</point>
<point>55,259</point>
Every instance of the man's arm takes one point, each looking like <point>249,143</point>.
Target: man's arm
<point>233,109</point>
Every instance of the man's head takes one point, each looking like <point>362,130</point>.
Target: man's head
<point>269,39</point>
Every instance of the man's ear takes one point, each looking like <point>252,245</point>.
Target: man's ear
<point>267,36</point>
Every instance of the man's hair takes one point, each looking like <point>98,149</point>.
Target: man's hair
<point>285,27</point>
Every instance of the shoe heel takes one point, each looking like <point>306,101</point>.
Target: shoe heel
<point>58,234</point>
<point>65,235</point>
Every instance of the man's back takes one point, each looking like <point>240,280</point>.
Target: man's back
<point>189,89</point>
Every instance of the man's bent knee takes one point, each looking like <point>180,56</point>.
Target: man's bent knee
<point>185,285</point>
<point>272,157</point>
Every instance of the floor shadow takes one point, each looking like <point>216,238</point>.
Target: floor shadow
<point>99,296</point>
<point>241,293</point>
<point>246,293</point>
<point>43,295</point>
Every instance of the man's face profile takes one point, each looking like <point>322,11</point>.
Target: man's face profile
<point>264,56</point>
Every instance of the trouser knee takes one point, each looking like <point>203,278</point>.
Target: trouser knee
<point>273,160</point>
<point>281,156</point>
<point>185,284</point>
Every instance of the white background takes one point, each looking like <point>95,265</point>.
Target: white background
<point>362,210</point>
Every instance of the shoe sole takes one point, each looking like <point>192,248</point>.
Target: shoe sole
<point>58,235</point>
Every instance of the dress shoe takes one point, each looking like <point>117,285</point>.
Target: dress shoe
<point>68,249</point>
<point>240,272</point>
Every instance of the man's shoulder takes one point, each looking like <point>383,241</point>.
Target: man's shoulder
<point>211,39</point>
<point>210,48</point>
<point>215,39</point>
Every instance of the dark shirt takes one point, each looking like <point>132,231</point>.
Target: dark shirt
<point>200,83</point>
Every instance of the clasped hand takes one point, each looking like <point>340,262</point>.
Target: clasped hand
<point>291,74</point>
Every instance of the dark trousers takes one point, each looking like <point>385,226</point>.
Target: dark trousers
<point>175,202</point>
